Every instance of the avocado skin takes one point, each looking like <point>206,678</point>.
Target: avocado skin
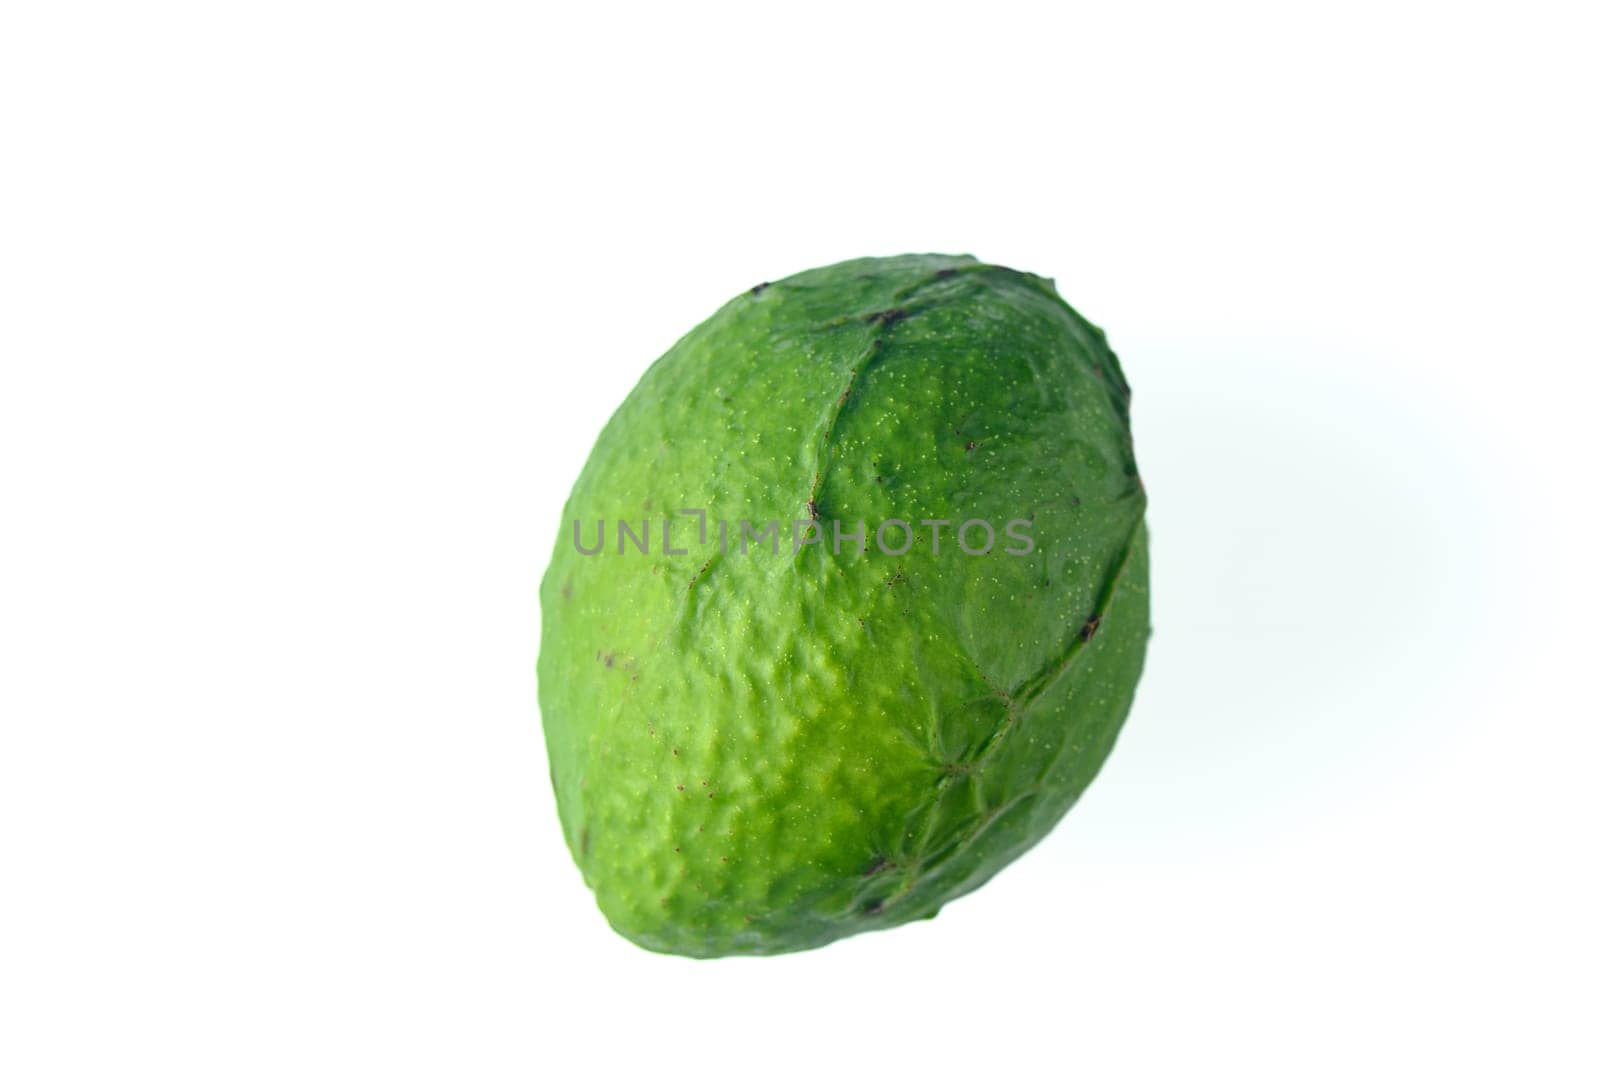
<point>758,753</point>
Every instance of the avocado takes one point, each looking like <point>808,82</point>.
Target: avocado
<point>847,607</point>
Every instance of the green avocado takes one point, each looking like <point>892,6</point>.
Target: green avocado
<point>826,700</point>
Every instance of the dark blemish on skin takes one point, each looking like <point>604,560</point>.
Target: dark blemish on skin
<point>940,275</point>
<point>611,660</point>
<point>1090,628</point>
<point>863,623</point>
<point>888,317</point>
<point>757,290</point>
<point>566,590</point>
<point>724,859</point>
<point>879,864</point>
<point>971,444</point>
<point>873,908</point>
<point>583,843</point>
<point>680,787</point>
<point>811,508</point>
<point>897,577</point>
<point>674,752</point>
<point>711,795</point>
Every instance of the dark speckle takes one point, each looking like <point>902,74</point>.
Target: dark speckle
<point>566,590</point>
<point>1090,628</point>
<point>972,445</point>
<point>873,908</point>
<point>887,317</point>
<point>756,290</point>
<point>940,275</point>
<point>702,572</point>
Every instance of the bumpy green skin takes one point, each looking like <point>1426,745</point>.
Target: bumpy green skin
<point>753,753</point>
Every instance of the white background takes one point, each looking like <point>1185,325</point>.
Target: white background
<point>309,314</point>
